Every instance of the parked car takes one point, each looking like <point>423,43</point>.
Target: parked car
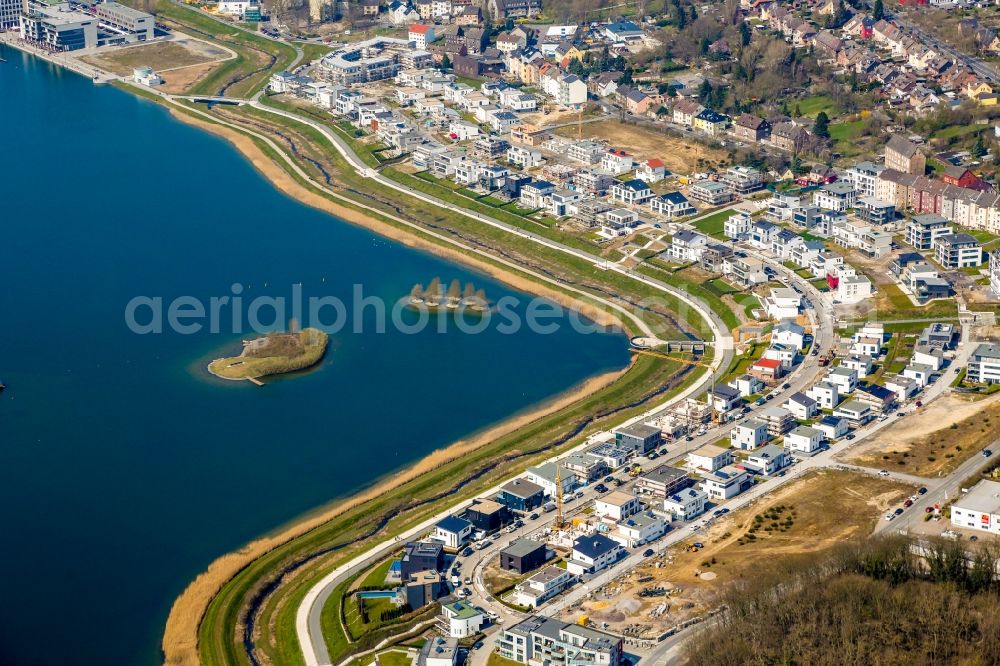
<point>987,453</point>
<point>898,511</point>
<point>601,488</point>
<point>883,472</point>
<point>648,552</point>
<point>929,509</point>
<point>890,516</point>
<point>467,552</point>
<point>851,436</point>
<point>786,386</point>
<point>908,503</point>
<point>922,491</point>
<point>609,478</point>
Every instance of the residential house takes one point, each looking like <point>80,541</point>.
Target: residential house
<point>686,504</point>
<point>711,192</point>
<point>748,435</point>
<point>801,406</point>
<point>521,495</point>
<point>631,192</point>
<point>539,588</point>
<point>726,482</point>
<point>593,553</point>
<point>751,128</point>
<point>453,531</point>
<point>768,460</point>
<point>779,420</point>
<point>905,156</point>
<point>856,412</point>
<point>832,427</point>
<point>710,458</point>
<point>984,364</point>
<point>639,437</point>
<point>804,439</point>
<point>672,205</point>
<point>956,251</point>
<point>617,162</point>
<point>686,246</point>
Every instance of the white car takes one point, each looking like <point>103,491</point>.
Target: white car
<point>883,472</point>
<point>890,517</point>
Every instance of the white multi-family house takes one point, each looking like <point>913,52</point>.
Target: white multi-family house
<point>801,406</point>
<point>845,379</point>
<point>839,195</point>
<point>686,246</point>
<point>784,354</point>
<point>748,435</point>
<point>710,458</point>
<point>726,482</point>
<point>782,303</point>
<point>804,439</point>
<point>617,162</point>
<point>826,395</point>
<point>832,427</point>
<point>673,205</point>
<point>686,504</point>
<point>860,363</point>
<point>593,553</point>
<point>762,234</point>
<point>787,332</point>
<point>724,398</point>
<point>524,157</point>
<point>747,385</point>
<point>631,192</point>
<point>737,226</point>
<point>904,387</point>
<point>767,460</point>
<point>651,171</point>
<point>856,412</point>
<point>536,194</point>
<point>639,529</point>
<point>927,355</point>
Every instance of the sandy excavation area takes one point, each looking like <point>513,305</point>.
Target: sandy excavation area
<point>936,439</point>
<point>680,155</point>
<point>811,514</point>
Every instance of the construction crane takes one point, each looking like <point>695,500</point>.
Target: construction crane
<point>559,523</point>
<point>711,389</point>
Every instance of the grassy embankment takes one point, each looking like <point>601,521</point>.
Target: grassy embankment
<point>218,630</point>
<point>289,358</point>
<point>257,57</point>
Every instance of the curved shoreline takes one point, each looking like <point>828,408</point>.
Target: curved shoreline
<point>284,183</point>
<point>180,636</point>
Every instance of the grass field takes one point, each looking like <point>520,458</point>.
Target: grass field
<point>811,106</point>
<point>957,131</point>
<point>713,224</point>
<point>158,55</point>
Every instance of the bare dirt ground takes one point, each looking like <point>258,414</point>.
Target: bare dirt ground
<point>158,55</point>
<point>178,81</point>
<point>936,439</point>
<point>811,514</point>
<point>680,155</point>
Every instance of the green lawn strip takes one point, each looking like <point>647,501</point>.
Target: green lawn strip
<point>903,307</point>
<point>312,51</point>
<point>709,296</point>
<point>811,106</point>
<point>955,131</point>
<point>714,224</point>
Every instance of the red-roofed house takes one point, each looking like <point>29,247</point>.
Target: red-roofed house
<point>767,369</point>
<point>651,171</point>
<point>421,35</point>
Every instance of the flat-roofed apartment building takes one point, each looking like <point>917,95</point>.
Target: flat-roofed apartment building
<point>57,26</point>
<point>135,23</point>
<point>10,14</point>
<point>984,364</point>
<point>372,60</point>
<point>543,641</point>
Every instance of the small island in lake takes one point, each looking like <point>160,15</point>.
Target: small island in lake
<point>435,296</point>
<point>273,354</point>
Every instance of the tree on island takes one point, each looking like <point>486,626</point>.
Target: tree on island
<point>417,292</point>
<point>434,290</point>
<point>469,291</point>
<point>822,126</point>
<point>454,290</point>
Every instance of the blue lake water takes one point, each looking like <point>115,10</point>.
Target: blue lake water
<point>124,468</point>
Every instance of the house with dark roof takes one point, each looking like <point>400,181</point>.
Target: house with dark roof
<point>453,531</point>
<point>521,495</point>
<point>631,192</point>
<point>751,128</point>
<point>672,205</point>
<point>592,554</point>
